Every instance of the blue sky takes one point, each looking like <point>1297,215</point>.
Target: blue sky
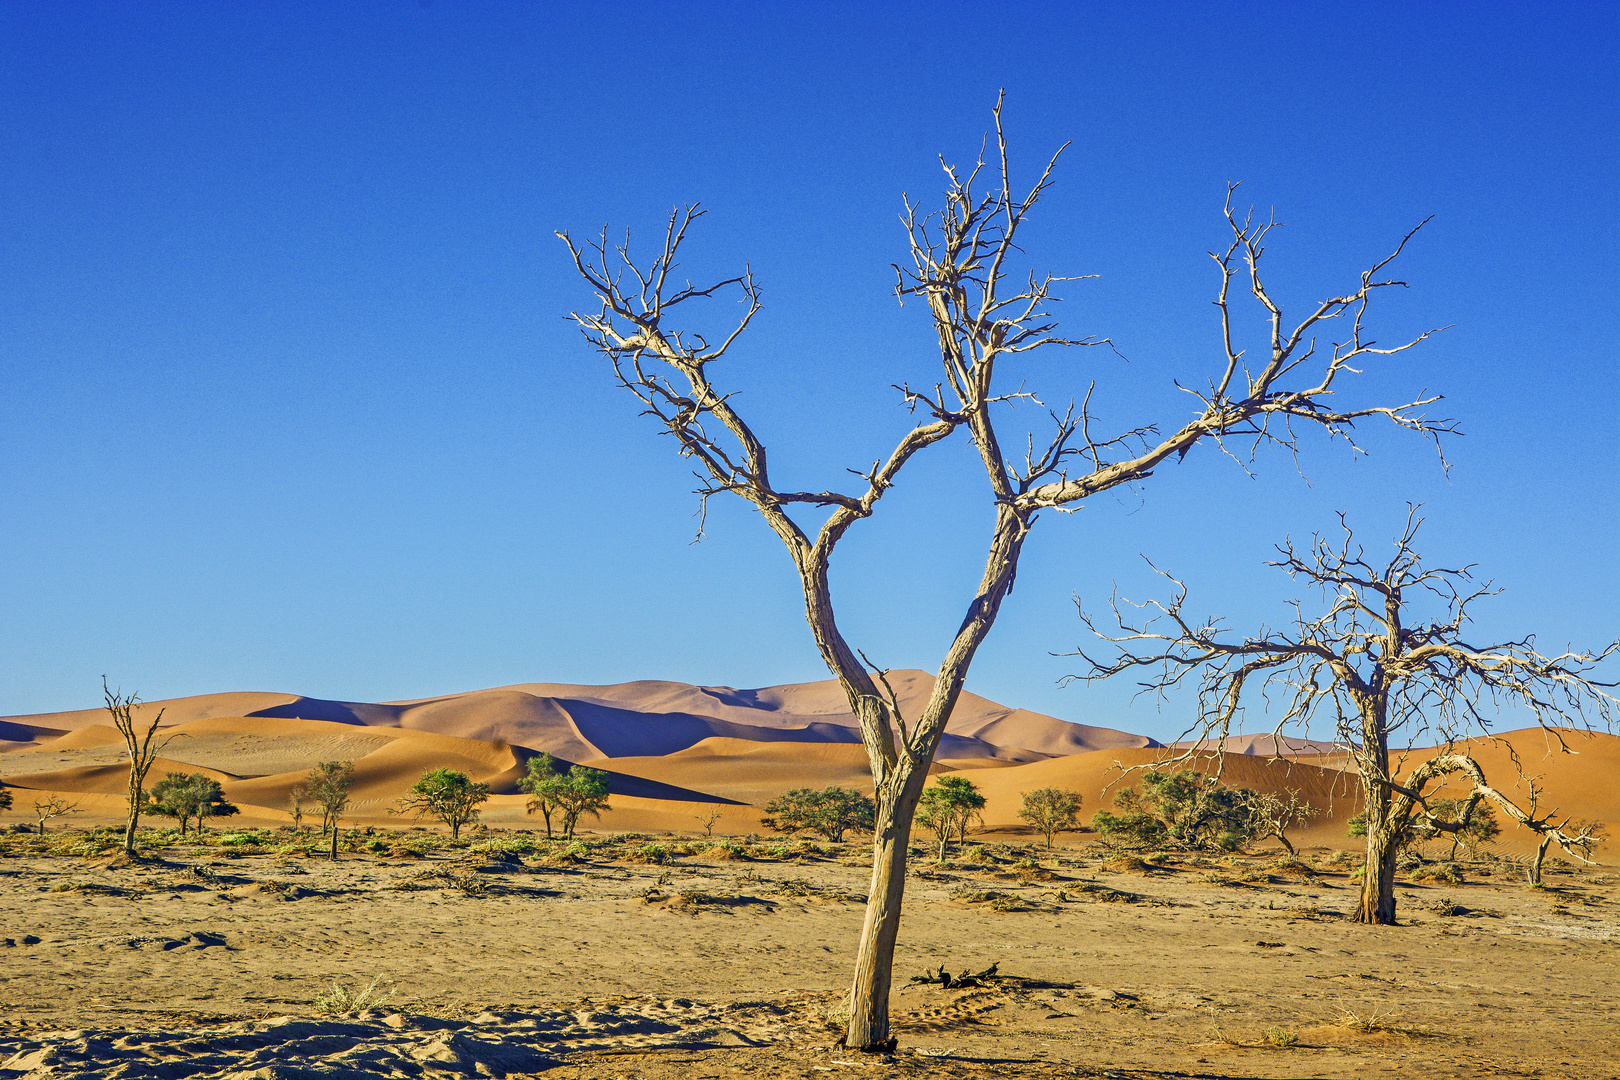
<point>290,402</point>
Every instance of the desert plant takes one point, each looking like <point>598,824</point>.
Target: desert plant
<point>48,809</point>
<point>947,808</point>
<point>140,741</point>
<point>1181,808</point>
<point>582,791</point>
<point>295,805</point>
<point>710,815</point>
<point>1050,810</point>
<point>450,796</point>
<point>1280,1038</point>
<point>1272,815</point>
<point>832,811</point>
<point>1387,673</point>
<point>329,784</point>
<point>5,798</point>
<point>183,796</point>
<point>342,999</point>
<point>540,783</point>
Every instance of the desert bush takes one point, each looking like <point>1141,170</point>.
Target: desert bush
<point>341,999</point>
<point>1446,872</point>
<point>184,797</point>
<point>328,786</point>
<point>1279,1038</point>
<point>1366,1023</point>
<point>656,854</point>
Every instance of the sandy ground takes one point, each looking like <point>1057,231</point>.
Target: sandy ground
<point>198,962</point>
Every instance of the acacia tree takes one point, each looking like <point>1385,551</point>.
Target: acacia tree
<point>1384,675</point>
<point>541,783</point>
<point>328,784</point>
<point>948,809</point>
<point>450,796</point>
<point>1050,810</point>
<point>984,313</point>
<point>183,796</point>
<point>140,742</point>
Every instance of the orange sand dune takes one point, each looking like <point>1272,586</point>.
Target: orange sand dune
<point>103,779</point>
<point>648,719</point>
<point>1584,784</point>
<point>754,772</point>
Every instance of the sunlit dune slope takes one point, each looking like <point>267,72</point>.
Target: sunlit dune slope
<point>753,772</point>
<point>260,759</point>
<point>648,718</point>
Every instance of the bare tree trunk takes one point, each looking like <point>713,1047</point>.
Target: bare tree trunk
<point>334,841</point>
<point>1377,904</point>
<point>1378,877</point>
<point>874,963</point>
<point>137,778</point>
<point>1541,855</point>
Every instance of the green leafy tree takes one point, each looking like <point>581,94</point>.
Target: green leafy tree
<point>1050,810</point>
<point>948,808</point>
<point>1182,808</point>
<point>329,784</point>
<point>581,791</point>
<point>541,784</point>
<point>831,811</point>
<point>184,797</point>
<point>450,796</point>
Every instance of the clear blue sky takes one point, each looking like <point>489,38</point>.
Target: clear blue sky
<point>288,402</point>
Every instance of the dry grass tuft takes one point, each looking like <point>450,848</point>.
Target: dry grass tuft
<point>1366,1024</point>
<point>343,1000</point>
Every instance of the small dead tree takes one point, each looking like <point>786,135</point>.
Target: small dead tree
<point>295,805</point>
<point>1386,677</point>
<point>1272,815</point>
<point>708,818</point>
<point>140,742</point>
<point>46,810</point>
<point>985,315</point>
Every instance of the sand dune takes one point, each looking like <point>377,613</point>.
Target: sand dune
<point>674,750</point>
<point>1265,745</point>
<point>647,718</point>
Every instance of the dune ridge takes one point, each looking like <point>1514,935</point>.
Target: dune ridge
<point>645,718</point>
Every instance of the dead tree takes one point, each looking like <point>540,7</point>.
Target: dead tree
<point>983,313</point>
<point>1273,815</point>
<point>46,810</point>
<point>140,741</point>
<point>1386,677</point>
